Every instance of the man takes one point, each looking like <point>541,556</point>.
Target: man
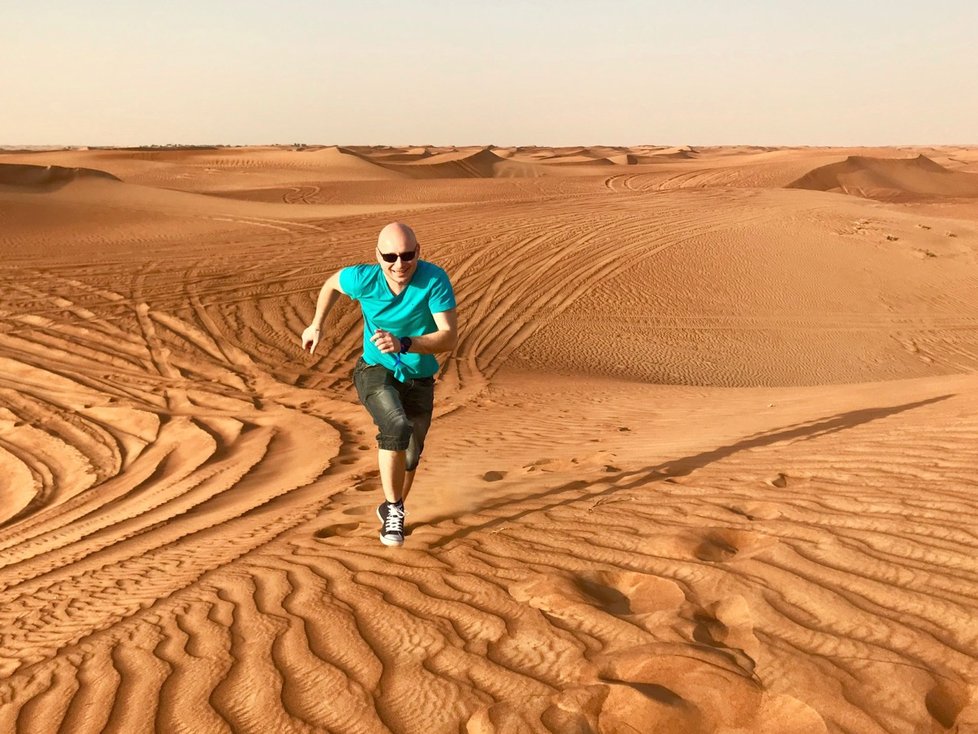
<point>409,315</point>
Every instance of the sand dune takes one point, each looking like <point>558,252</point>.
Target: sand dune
<point>575,160</point>
<point>889,179</point>
<point>97,216</point>
<point>632,159</point>
<point>703,460</point>
<point>25,175</point>
<point>206,169</point>
<point>345,163</point>
<point>481,163</point>
<point>401,157</point>
<point>682,152</point>
<point>296,175</point>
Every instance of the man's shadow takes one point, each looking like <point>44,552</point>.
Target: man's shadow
<point>676,468</point>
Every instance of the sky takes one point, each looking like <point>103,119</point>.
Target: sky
<point>548,72</point>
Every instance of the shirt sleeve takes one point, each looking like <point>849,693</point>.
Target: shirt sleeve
<point>442,296</point>
<point>350,282</point>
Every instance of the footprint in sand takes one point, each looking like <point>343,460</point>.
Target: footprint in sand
<point>665,683</point>
<point>626,592</point>
<point>539,464</point>
<point>342,530</point>
<point>715,549</point>
<point>757,511</point>
<point>363,482</point>
<point>618,593</point>
<point>946,702</point>
<point>728,624</point>
<point>359,511</point>
<point>725,544</point>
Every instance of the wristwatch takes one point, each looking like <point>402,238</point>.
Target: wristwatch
<point>405,344</point>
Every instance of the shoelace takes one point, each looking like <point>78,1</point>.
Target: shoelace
<point>395,519</point>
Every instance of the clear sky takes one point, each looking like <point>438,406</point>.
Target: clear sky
<point>398,72</point>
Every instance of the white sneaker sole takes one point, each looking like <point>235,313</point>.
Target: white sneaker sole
<point>390,542</point>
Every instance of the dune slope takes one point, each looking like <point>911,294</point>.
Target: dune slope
<point>30,176</point>
<point>889,179</point>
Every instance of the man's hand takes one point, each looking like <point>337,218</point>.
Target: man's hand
<point>386,342</point>
<point>310,338</point>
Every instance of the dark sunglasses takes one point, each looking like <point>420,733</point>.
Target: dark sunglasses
<point>391,257</point>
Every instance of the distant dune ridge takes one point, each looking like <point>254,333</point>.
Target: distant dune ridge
<point>20,174</point>
<point>347,163</point>
<point>889,179</point>
<point>479,163</point>
<point>703,460</point>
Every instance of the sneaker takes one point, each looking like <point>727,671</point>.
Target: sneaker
<point>382,512</point>
<point>392,529</point>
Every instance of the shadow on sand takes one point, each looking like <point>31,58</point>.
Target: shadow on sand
<point>679,467</point>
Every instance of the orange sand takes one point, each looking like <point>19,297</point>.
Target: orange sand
<point>704,459</point>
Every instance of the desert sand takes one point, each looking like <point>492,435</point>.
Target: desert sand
<point>704,459</point>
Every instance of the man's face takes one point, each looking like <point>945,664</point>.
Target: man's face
<point>401,270</point>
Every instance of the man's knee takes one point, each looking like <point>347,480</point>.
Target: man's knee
<point>420,425</point>
<point>413,456</point>
<point>395,433</point>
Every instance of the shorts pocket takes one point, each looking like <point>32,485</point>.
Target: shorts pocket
<point>369,379</point>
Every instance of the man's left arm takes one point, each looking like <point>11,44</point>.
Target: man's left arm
<point>443,340</point>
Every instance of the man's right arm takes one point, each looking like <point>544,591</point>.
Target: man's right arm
<point>328,295</point>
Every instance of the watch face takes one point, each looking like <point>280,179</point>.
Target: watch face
<point>405,344</point>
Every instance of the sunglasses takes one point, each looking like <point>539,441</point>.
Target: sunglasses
<point>390,257</point>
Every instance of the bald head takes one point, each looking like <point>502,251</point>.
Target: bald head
<point>398,252</point>
<point>396,237</point>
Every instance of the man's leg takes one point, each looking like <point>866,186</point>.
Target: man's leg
<point>419,429</point>
<point>408,483</point>
<point>391,512</point>
<point>418,407</point>
<point>392,474</point>
<point>395,478</point>
<point>376,388</point>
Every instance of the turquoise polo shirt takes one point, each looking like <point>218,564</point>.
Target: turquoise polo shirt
<point>409,313</point>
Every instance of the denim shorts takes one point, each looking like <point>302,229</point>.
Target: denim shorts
<point>400,410</point>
